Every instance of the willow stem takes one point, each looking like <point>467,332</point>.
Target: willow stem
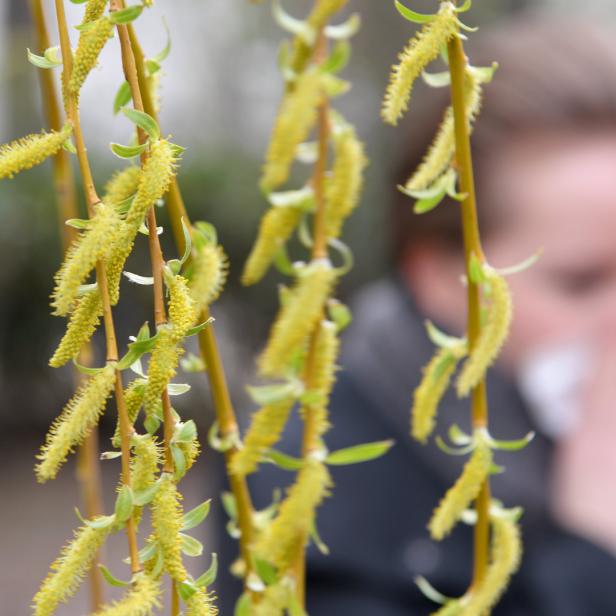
<point>472,245</point>
<point>101,276</point>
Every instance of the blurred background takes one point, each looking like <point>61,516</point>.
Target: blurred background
<point>220,91</point>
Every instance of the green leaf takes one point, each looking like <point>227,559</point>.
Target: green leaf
<point>464,7</point>
<point>78,223</point>
<point>191,546</point>
<point>43,61</point>
<point>162,55</point>
<point>111,579</point>
<point>413,16</point>
<point>136,279</point>
<point>359,453</point>
<point>339,313</point>
<point>440,339</point>
<point>123,97</point>
<point>429,591</point>
<point>266,571</point>
<point>195,516</point>
<point>521,266</point>
<point>143,121</point>
<point>186,589</point>
<point>338,59</point>
<point>243,606</point>
<point>197,328</point>
<point>458,437</point>
<point>124,504</point>
<point>177,389</point>
<point>345,252</point>
<point>344,30</point>
<point>428,203</point>
<point>101,521</point>
<point>128,151</point>
<point>437,80</point>
<point>179,462</point>
<point>302,198</point>
<point>475,270</point>
<point>270,394</point>
<point>110,455</point>
<point>151,424</point>
<point>514,445</point>
<point>192,363</point>
<point>282,460</point>
<point>79,1</point>
<point>135,350</point>
<point>125,16</point>
<point>185,432</point>
<point>145,496</point>
<point>187,242</point>
<point>221,443</point>
<point>296,26</point>
<point>283,263</point>
<point>152,67</point>
<point>484,74</point>
<point>453,451</point>
<point>316,538</point>
<point>147,552</point>
<point>209,577</point>
<point>334,86</point>
<point>229,505</point>
<point>86,369</point>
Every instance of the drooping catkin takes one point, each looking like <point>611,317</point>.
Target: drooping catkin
<point>201,604</point>
<point>506,556</point>
<point>345,185</point>
<point>191,450</point>
<point>441,152</point>
<point>30,151</point>
<point>422,49</point>
<point>431,389</point>
<point>78,417</point>
<point>265,429</point>
<point>182,309</point>
<point>122,185</point>
<point>296,117</point>
<point>275,229</point>
<point>209,274</point>
<point>81,327</point>
<point>91,42</point>
<point>93,245</point>
<point>167,522</point>
<point>274,600</point>
<point>94,10</point>
<point>297,317</point>
<point>451,608</point>
<point>133,400</point>
<point>141,600</point>
<point>145,461</point>
<point>462,493</point>
<point>69,569</point>
<point>491,338</point>
<point>278,543</point>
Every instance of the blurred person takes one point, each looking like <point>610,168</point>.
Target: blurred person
<point>544,148</point>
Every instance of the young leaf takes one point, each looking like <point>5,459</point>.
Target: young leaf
<point>124,504</point>
<point>296,26</point>
<point>143,121</point>
<point>143,497</point>
<point>209,577</point>
<point>270,394</point>
<point>413,16</point>
<point>195,516</point>
<point>143,280</point>
<point>125,16</point>
<point>185,432</point>
<point>43,61</point>
<point>284,461</point>
<point>191,546</point>
<point>128,151</point>
<point>344,31</point>
<point>123,97</point>
<point>186,589</point>
<point>359,453</point>
<point>111,579</point>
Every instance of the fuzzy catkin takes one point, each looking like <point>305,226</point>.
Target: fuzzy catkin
<point>296,117</point>
<point>69,569</point>
<point>462,493</point>
<point>182,309</point>
<point>145,462</point>
<point>275,229</point>
<point>91,42</point>
<point>133,400</point>
<point>201,604</point>
<point>422,49</point>
<point>274,600</point>
<point>78,417</point>
<point>210,268</point>
<point>94,10</point>
<point>491,337</point>
<point>30,151</point>
<point>287,533</point>
<point>141,600</point>
<point>297,318</point>
<point>122,185</point>
<point>191,451</point>
<point>265,429</point>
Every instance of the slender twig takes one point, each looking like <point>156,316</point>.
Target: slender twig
<point>101,276</point>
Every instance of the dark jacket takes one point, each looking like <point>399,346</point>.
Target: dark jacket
<point>375,522</point>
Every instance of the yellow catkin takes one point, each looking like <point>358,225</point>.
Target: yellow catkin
<point>182,308</point>
<point>94,10</point>
<point>30,151</point>
<point>91,42</point>
<point>93,245</point>
<point>506,556</point>
<point>133,400</point>
<point>296,117</point>
<point>451,608</point>
<point>345,186</point>
<point>264,432</point>
<point>69,569</point>
<point>209,274</point>
<point>275,229</point>
<point>141,600</point>
<point>274,600</point>
<point>441,152</point>
<point>491,338</point>
<point>422,49</point>
<point>167,522</point>
<point>191,451</point>
<point>81,327</point>
<point>278,543</point>
<point>122,185</point>
<point>431,389</point>
<point>297,317</point>
<point>201,604</point>
<point>462,493</point>
<point>78,417</point>
<point>144,462</point>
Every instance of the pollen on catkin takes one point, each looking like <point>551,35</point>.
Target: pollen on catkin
<point>201,604</point>
<point>81,327</point>
<point>78,417</point>
<point>431,389</point>
<point>133,400</point>
<point>462,493</point>
<point>182,309</point>
<point>280,539</point>
<point>91,42</point>
<point>491,337</point>
<point>145,462</point>
<point>30,151</point>
<point>93,245</point>
<point>141,600</point>
<point>264,432</point>
<point>69,569</point>
<point>506,557</point>
<point>422,49</point>
<point>297,317</point>
<point>296,117</point>
<point>209,273</point>
<point>441,152</point>
<point>122,185</point>
<point>94,10</point>
<point>345,186</point>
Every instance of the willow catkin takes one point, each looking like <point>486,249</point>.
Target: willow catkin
<point>345,186</point>
<point>182,309</point>
<point>275,229</point>
<point>422,49</point>
<point>432,387</point>
<point>81,327</point>
<point>280,540</point>
<point>506,556</point>
<point>30,151</point>
<point>133,400</point>
<point>265,429</point>
<point>191,450</point>
<point>78,417</point>
<point>441,152</point>
<point>296,117</point>
<point>491,337</point>
<point>91,42</point>
<point>141,600</point>
<point>122,185</point>
<point>297,317</point>
<point>274,600</point>
<point>209,273</point>
<point>462,493</point>
<point>145,461</point>
<point>69,569</point>
<point>201,604</point>
<point>451,608</point>
<point>94,10</point>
